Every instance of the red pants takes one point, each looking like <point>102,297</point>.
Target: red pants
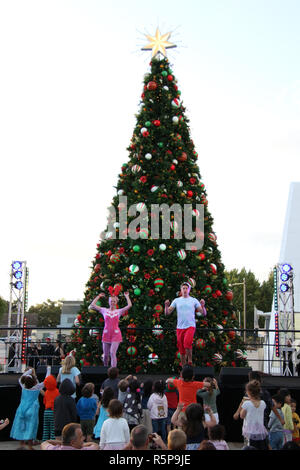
<point>185,339</point>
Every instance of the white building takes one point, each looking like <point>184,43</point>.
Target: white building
<point>289,253</point>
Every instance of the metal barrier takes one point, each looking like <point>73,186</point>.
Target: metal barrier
<point>287,362</point>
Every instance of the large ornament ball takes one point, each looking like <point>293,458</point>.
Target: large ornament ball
<point>136,169</point>
<point>158,283</point>
<point>136,248</point>
<point>148,156</point>
<point>141,206</point>
<point>217,357</point>
<point>181,254</point>
<point>162,247</point>
<point>115,258</point>
<point>229,295</point>
<point>152,358</point>
<point>157,330</point>
<point>200,343</point>
<point>93,332</point>
<point>175,119</point>
<point>131,351</point>
<point>144,232</point>
<point>175,103</point>
<point>152,86</point>
<point>137,291</point>
<point>133,269</point>
<point>158,308</point>
<point>76,322</point>
<point>207,289</point>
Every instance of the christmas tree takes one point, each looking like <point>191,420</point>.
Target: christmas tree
<point>145,251</point>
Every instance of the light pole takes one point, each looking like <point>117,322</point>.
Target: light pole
<point>244,301</point>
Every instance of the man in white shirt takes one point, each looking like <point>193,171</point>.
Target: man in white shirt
<point>186,307</point>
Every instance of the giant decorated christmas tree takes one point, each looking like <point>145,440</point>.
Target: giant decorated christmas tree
<point>137,253</point>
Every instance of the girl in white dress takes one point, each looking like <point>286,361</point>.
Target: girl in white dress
<point>252,412</point>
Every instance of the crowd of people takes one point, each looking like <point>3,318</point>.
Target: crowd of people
<point>176,414</point>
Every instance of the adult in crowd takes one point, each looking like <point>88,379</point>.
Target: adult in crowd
<point>72,439</point>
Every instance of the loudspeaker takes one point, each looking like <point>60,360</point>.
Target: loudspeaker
<point>201,372</point>
<point>234,375</point>
<point>41,371</point>
<point>94,374</point>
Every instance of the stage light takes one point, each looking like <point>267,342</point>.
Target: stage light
<point>16,265</point>
<point>286,268</point>
<point>284,277</point>
<point>19,285</point>
<point>18,274</point>
<point>284,287</point>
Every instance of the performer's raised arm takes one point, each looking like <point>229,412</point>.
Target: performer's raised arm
<point>93,304</point>
<point>168,309</point>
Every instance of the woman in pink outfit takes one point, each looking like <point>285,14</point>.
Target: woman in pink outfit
<point>111,337</point>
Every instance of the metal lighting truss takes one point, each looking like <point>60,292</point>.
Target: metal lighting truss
<point>285,324</point>
<point>17,306</point>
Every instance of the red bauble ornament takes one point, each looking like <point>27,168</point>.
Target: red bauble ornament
<point>218,293</point>
<point>170,77</point>
<point>229,295</point>
<point>152,86</point>
<point>231,334</point>
<point>190,194</point>
<point>172,167</point>
<point>156,123</point>
<point>182,157</point>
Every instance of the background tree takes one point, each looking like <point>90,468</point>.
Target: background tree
<point>162,168</point>
<point>257,294</point>
<point>48,313</point>
<point>3,308</point>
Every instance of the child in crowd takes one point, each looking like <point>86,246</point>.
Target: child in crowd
<point>86,410</point>
<point>276,435</point>
<point>102,410</point>
<point>69,371</point>
<point>146,391</point>
<point>123,385</point>
<point>176,440</point>
<point>65,411</point>
<point>252,412</point>
<point>112,381</point>
<point>209,394</point>
<point>122,393</point>
<point>172,396</point>
<point>115,434</point>
<point>158,407</point>
<point>216,435</point>
<point>296,421</point>
<point>133,411</point>
<point>192,422</point>
<point>4,423</point>
<point>288,426</point>
<point>49,396</point>
<point>186,386</point>
<point>26,421</point>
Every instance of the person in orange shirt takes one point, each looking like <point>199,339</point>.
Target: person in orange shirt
<point>49,396</point>
<point>187,387</point>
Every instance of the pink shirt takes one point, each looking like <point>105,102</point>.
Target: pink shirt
<point>111,332</point>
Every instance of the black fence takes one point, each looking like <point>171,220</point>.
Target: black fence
<point>22,349</point>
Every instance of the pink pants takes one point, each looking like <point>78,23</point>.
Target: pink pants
<point>110,351</point>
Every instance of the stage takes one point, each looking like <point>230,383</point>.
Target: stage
<point>231,382</point>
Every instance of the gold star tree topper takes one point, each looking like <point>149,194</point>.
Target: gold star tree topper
<point>158,43</point>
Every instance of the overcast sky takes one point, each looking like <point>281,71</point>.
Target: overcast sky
<point>70,85</point>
